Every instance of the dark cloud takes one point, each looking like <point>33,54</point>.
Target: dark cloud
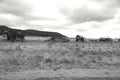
<point>18,9</point>
<point>82,27</point>
<point>21,10</point>
<point>86,15</point>
<point>15,7</point>
<point>64,10</point>
<point>109,3</point>
<point>112,3</point>
<point>95,24</point>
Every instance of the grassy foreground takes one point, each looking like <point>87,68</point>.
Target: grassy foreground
<point>48,55</point>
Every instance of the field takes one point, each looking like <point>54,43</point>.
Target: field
<point>35,54</point>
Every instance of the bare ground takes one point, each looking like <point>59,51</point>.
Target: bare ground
<point>74,74</point>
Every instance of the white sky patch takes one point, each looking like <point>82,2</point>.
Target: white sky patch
<point>117,15</point>
<point>66,32</point>
<point>80,26</point>
<point>23,27</point>
<point>94,6</point>
<point>8,17</point>
<point>71,4</point>
<point>97,33</point>
<point>109,28</point>
<point>47,23</point>
<point>47,9</point>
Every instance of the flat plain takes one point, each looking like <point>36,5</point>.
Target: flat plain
<point>36,59</point>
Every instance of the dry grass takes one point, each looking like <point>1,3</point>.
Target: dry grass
<point>49,55</point>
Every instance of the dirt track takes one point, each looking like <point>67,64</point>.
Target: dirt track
<point>82,74</point>
<point>107,78</point>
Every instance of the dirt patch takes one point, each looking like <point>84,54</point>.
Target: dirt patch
<point>74,73</point>
<point>89,78</point>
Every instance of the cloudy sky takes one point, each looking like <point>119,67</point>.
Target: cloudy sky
<point>89,18</point>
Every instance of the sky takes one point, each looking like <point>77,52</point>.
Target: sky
<point>89,18</point>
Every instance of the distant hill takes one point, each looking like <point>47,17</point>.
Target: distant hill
<point>31,32</point>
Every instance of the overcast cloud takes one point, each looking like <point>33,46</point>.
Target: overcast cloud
<point>90,18</point>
